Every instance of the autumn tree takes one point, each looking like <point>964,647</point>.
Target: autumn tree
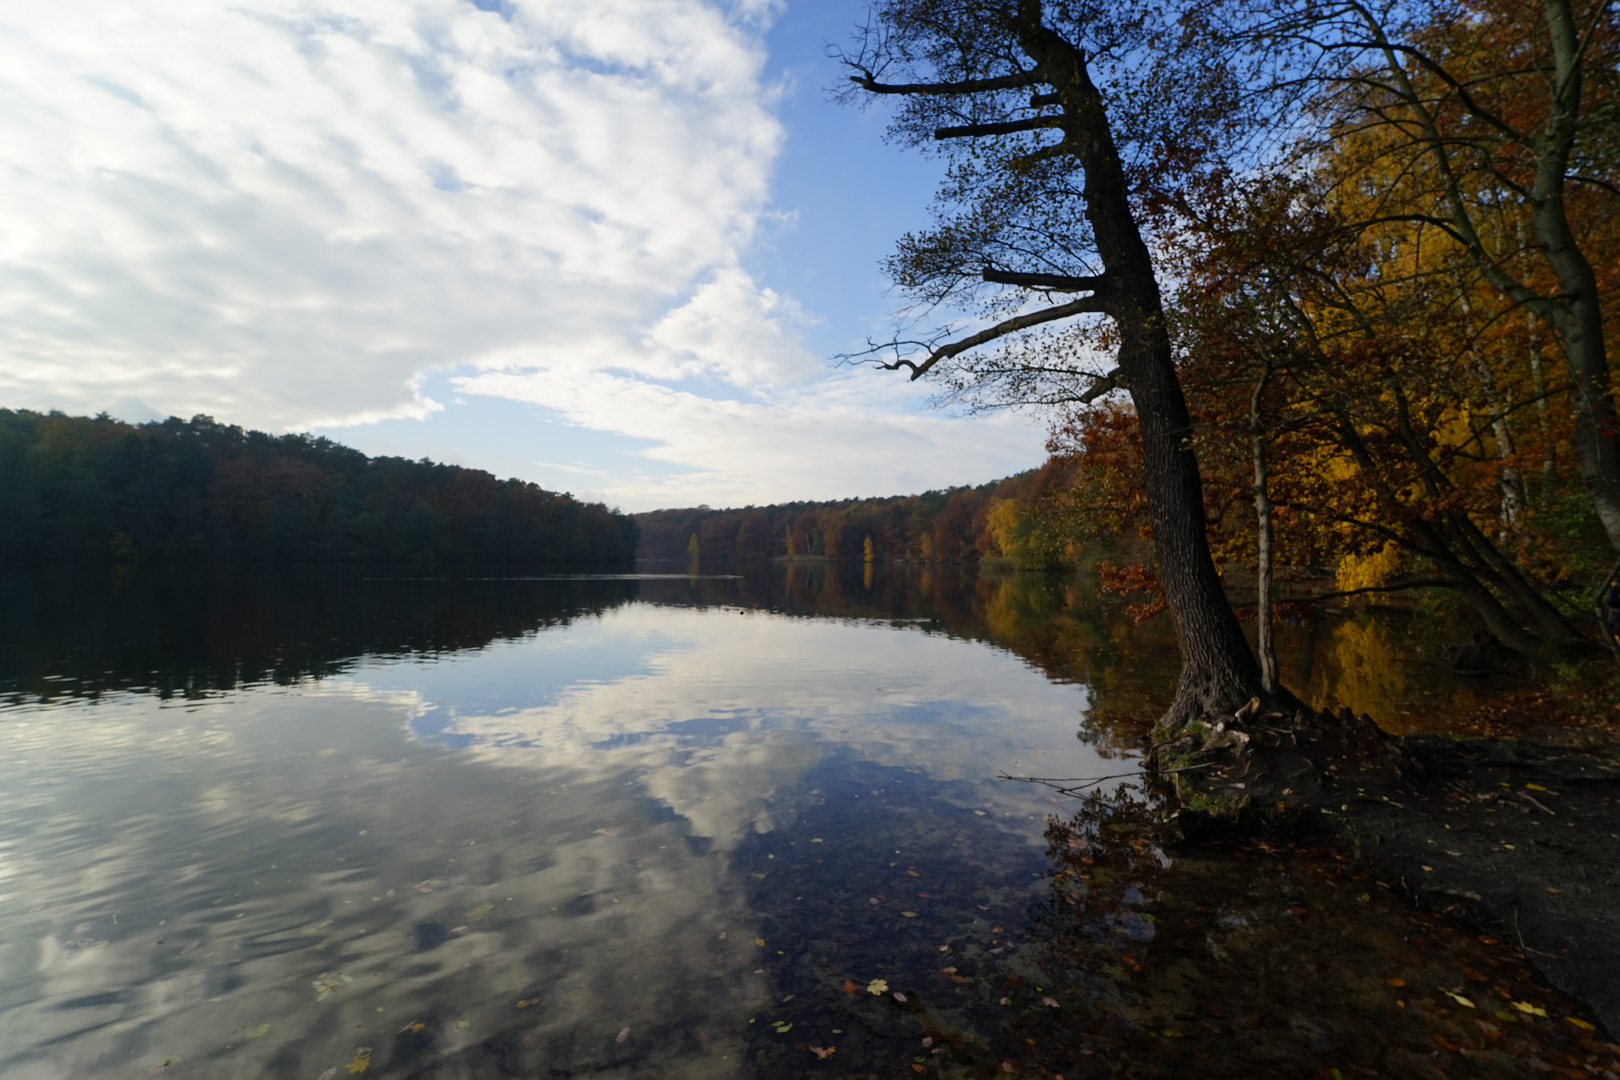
<point>1057,119</point>
<point>1495,124</point>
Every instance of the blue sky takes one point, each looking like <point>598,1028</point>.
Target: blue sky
<point>611,246</point>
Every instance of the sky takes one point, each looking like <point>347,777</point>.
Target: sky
<point>609,246</point>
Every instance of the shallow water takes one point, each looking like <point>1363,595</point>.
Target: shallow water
<point>690,825</point>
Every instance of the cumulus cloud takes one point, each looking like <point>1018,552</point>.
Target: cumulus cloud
<point>290,213</point>
<point>286,212</point>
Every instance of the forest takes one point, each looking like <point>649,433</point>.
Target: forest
<point>96,488</point>
<point>1019,518</point>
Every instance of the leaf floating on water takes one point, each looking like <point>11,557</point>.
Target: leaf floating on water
<point>877,987</point>
<point>928,1040</point>
<point>413,1027</point>
<point>782,1026</point>
<point>1394,982</point>
<point>1559,892</point>
<point>329,1074</point>
<point>759,941</point>
<point>898,996</point>
<point>918,1068</point>
<point>524,1003</point>
<point>361,1061</point>
<point>1459,999</point>
<point>823,1052</point>
<point>909,914</point>
<point>463,1024</point>
<point>624,1033</point>
<point>262,1029</point>
<point>153,1070</point>
<point>479,912</point>
<point>1051,1002</point>
<point>1535,787</point>
<point>1582,1024</point>
<point>1526,1007</point>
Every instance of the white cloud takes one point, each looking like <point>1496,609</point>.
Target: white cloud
<point>285,212</point>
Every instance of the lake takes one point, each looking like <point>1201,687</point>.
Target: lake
<point>694,822</point>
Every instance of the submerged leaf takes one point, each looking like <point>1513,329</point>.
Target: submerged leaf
<point>361,1061</point>
<point>262,1029</point>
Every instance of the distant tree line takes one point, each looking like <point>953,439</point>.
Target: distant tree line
<point>1022,518</point>
<point>80,487</point>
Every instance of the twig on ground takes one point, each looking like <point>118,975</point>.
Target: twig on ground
<point>1057,782</point>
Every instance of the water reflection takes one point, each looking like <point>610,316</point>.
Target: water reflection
<point>551,851</point>
<point>737,821</point>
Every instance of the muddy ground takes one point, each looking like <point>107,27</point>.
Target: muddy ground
<point>1518,837</point>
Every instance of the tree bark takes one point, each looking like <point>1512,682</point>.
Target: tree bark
<point>1218,669</point>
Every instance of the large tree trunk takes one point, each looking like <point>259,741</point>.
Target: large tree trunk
<point>1218,669</point>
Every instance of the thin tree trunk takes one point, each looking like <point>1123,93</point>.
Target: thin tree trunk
<point>1511,483</point>
<point>1263,543</point>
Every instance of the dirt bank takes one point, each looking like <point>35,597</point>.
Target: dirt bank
<point>1519,837</point>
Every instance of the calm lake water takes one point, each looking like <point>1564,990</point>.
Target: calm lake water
<point>324,822</point>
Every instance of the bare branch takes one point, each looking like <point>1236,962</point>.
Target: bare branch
<point>967,86</point>
<point>1085,305</point>
<point>1049,282</point>
<point>1005,127</point>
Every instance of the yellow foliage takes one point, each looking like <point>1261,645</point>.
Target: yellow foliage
<point>1001,525</point>
<point>1369,571</point>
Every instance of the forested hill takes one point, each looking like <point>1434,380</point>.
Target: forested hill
<point>77,487</point>
<point>1019,518</point>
